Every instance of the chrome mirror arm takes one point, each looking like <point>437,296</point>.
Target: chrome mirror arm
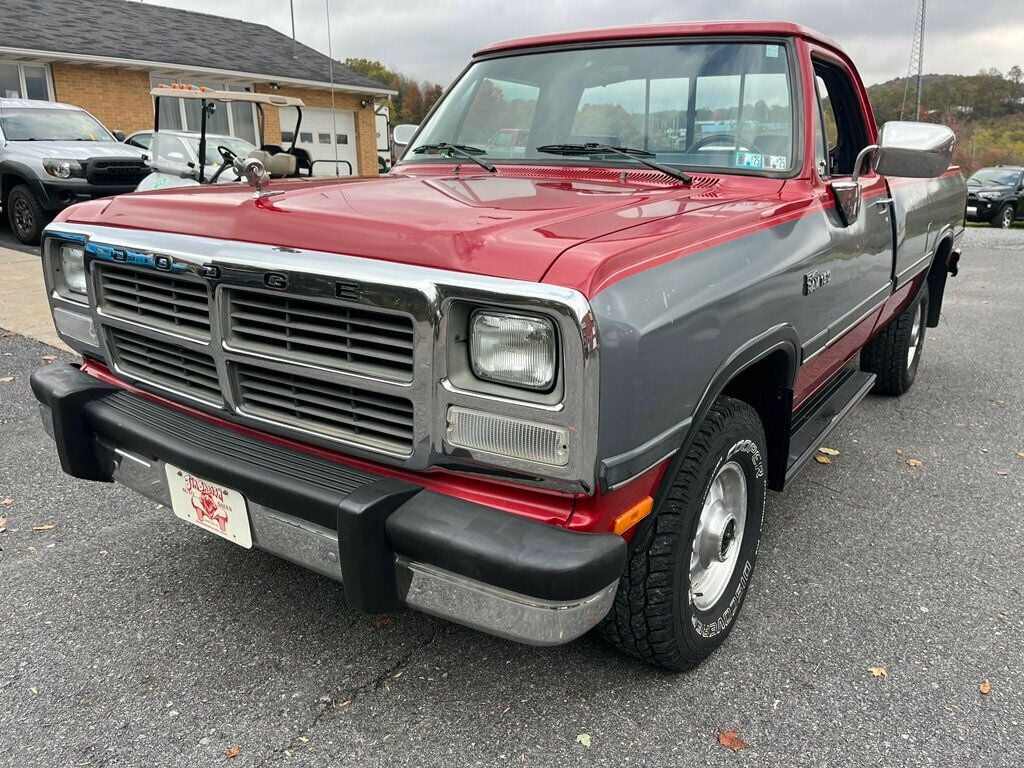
<point>869,150</point>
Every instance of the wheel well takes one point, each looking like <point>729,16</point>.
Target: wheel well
<point>767,386</point>
<point>9,181</point>
<point>937,276</point>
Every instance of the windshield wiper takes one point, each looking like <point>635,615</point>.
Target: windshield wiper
<point>462,150</point>
<point>639,155</point>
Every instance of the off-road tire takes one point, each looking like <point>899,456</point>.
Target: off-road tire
<point>886,355</point>
<point>1004,217</point>
<point>25,215</point>
<point>653,617</point>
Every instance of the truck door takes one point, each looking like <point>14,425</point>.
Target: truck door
<point>860,278</point>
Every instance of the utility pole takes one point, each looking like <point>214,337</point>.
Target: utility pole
<point>916,60</point>
<point>291,5</point>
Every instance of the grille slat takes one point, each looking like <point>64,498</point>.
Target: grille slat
<point>171,303</point>
<point>166,364</point>
<point>333,336</point>
<point>347,413</point>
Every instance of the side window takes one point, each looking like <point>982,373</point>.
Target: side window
<point>142,140</point>
<point>843,127</point>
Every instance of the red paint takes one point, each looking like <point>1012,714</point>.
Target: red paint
<point>514,224</point>
<point>597,513</point>
<point>645,31</point>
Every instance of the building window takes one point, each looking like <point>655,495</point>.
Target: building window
<point>343,138</point>
<point>287,136</point>
<point>25,81</point>
<point>232,119</point>
<point>324,138</point>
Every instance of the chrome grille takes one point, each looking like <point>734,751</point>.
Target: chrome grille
<point>169,303</point>
<point>346,413</point>
<point>166,365</point>
<point>325,334</point>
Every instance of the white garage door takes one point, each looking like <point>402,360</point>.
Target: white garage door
<point>323,133</point>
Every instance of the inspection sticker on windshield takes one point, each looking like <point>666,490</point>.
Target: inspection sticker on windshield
<point>771,51</point>
<point>211,506</point>
<point>777,162</point>
<point>749,160</point>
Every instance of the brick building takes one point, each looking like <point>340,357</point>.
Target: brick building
<point>105,55</point>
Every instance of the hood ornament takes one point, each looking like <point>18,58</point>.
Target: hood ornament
<point>255,173</point>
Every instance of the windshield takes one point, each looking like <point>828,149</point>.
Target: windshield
<point>995,176</point>
<point>725,106</point>
<point>51,125</point>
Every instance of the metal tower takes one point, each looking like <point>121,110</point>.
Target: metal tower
<point>916,61</point>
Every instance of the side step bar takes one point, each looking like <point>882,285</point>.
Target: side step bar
<point>822,413</point>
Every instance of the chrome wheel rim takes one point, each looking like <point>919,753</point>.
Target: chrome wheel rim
<point>915,338</point>
<point>22,216</point>
<point>1007,218</point>
<point>716,545</point>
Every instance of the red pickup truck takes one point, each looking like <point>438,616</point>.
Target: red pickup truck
<point>533,394</point>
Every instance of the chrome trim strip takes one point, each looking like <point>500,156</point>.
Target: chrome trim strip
<point>497,611</point>
<point>833,337</point>
<point>425,294</point>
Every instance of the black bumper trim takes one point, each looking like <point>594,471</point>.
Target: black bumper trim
<point>376,517</point>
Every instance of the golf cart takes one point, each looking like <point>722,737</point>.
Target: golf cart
<point>175,165</point>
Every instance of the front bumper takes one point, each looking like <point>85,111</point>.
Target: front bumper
<point>981,210</point>
<point>393,544</point>
<point>55,194</point>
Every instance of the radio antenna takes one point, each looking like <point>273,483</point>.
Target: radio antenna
<point>334,114</point>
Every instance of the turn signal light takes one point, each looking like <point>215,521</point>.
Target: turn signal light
<point>633,515</point>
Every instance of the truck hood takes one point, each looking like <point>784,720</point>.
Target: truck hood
<point>498,225</point>
<point>73,150</point>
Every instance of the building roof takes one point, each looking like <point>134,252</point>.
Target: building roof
<point>117,31</point>
<point>687,29</point>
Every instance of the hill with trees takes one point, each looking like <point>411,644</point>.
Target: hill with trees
<point>415,98</point>
<point>986,111</point>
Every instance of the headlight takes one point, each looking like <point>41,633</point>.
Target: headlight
<point>72,266</point>
<point>63,169</point>
<point>989,195</point>
<point>513,349</point>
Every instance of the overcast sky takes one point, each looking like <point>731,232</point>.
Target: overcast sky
<point>433,39</point>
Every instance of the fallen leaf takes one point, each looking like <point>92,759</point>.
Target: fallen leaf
<point>1000,402</point>
<point>3,524</point>
<point>985,688</point>
<point>1020,454</point>
<point>304,739</point>
<point>6,379</point>
<point>899,451</point>
<point>823,459</point>
<point>47,527</point>
<point>829,451</point>
<point>384,622</point>
<point>584,739</point>
<point>6,501</point>
<point>343,704</point>
<point>730,740</point>
<point>984,301</point>
<point>1002,472</point>
<point>6,334</point>
<point>878,671</point>
<point>915,463</point>
<point>287,753</point>
<point>234,751</point>
<point>49,358</point>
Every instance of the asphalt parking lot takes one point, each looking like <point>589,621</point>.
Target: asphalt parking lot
<point>132,639</point>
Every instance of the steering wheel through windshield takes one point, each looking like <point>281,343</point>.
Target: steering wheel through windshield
<point>727,140</point>
<point>228,158</point>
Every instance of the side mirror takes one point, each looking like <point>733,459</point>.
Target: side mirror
<point>403,133</point>
<point>908,149</point>
<point>914,150</point>
<point>119,135</point>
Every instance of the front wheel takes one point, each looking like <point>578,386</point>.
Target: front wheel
<point>25,215</point>
<point>689,569</point>
<point>1004,218</point>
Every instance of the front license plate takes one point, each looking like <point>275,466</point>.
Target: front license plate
<point>212,507</point>
<point>971,210</point>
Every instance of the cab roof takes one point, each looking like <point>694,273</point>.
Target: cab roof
<point>687,29</point>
